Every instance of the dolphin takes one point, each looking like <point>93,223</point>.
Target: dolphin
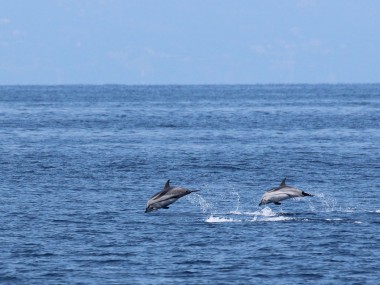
<point>283,192</point>
<point>167,196</point>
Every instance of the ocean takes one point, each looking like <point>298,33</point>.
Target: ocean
<point>79,162</point>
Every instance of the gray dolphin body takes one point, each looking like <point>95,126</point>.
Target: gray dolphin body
<point>167,196</point>
<point>283,192</point>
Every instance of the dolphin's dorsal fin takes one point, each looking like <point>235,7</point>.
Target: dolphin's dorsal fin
<point>164,191</point>
<point>283,184</point>
<point>167,185</point>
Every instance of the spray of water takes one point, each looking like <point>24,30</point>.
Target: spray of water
<point>237,206</point>
<point>197,199</point>
<point>326,203</point>
<point>220,210</point>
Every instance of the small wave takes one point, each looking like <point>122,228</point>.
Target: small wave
<point>377,211</point>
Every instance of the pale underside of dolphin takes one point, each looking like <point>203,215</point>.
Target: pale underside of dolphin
<point>167,196</point>
<point>283,192</point>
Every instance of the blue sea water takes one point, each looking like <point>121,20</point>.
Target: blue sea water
<point>78,164</point>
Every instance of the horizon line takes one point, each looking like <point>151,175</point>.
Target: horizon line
<point>183,84</point>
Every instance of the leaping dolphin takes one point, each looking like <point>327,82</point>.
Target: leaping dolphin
<point>283,192</point>
<point>167,196</point>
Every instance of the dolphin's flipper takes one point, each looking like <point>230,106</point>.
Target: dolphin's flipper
<point>283,184</point>
<point>277,203</point>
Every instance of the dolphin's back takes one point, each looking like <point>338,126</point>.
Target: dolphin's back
<point>173,194</point>
<point>273,189</point>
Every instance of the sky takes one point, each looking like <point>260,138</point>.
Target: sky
<point>189,42</point>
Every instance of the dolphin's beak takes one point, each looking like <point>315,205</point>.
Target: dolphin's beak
<point>147,210</point>
<point>306,194</point>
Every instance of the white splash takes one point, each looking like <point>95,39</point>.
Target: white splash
<point>236,213</point>
<point>263,215</point>
<point>213,219</point>
<point>268,215</point>
<point>329,203</point>
<point>197,199</point>
<point>266,212</point>
<point>325,203</point>
<point>238,200</point>
<point>276,219</point>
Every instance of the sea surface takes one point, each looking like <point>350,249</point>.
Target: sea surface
<point>78,164</point>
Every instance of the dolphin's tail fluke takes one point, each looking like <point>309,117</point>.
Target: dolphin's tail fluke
<point>306,194</point>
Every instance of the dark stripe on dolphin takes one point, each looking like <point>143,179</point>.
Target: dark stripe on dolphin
<point>164,191</point>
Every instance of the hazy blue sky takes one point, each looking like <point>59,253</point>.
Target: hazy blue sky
<point>189,42</point>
